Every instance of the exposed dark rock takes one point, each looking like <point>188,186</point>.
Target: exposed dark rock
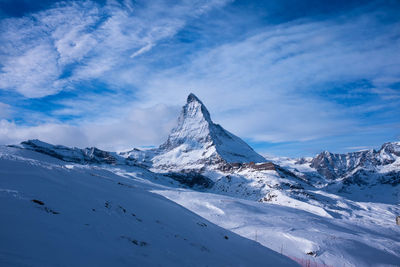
<point>38,202</point>
<point>312,253</point>
<point>202,224</point>
<point>268,197</point>
<point>191,179</point>
<point>264,166</point>
<point>135,242</point>
<point>392,178</point>
<point>48,210</point>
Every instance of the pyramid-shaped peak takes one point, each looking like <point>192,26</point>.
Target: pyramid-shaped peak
<point>194,108</point>
<point>192,97</point>
<point>197,139</point>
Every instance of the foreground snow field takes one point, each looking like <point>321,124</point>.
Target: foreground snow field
<point>104,215</point>
<point>366,237</point>
<point>57,214</point>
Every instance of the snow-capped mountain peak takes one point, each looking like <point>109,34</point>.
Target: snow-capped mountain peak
<point>194,102</point>
<point>193,125</point>
<point>197,140</point>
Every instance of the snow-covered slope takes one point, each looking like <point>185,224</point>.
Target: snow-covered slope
<point>197,142</point>
<point>362,234</point>
<point>55,213</point>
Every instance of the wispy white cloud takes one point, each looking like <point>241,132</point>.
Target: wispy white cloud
<point>34,73</point>
<point>278,85</point>
<point>357,148</point>
<point>11,133</point>
<point>142,50</point>
<point>136,127</point>
<point>45,52</point>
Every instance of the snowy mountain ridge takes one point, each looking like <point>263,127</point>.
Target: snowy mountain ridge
<point>90,155</point>
<point>334,166</point>
<point>360,170</point>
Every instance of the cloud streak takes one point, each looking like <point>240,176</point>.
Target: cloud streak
<point>280,84</point>
<point>46,52</point>
<point>138,127</point>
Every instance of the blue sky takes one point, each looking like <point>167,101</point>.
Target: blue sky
<point>292,78</point>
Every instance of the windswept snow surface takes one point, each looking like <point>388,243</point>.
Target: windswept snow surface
<point>55,213</point>
<point>366,236</point>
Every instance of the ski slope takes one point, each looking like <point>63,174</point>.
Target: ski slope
<point>367,236</point>
<point>55,213</point>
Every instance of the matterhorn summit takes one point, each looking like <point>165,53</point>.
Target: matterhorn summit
<point>197,141</point>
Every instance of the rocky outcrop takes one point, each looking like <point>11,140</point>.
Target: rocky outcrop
<point>82,156</point>
<point>363,168</point>
<point>191,179</point>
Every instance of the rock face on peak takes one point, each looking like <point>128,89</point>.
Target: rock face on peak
<point>194,125</point>
<point>197,141</point>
